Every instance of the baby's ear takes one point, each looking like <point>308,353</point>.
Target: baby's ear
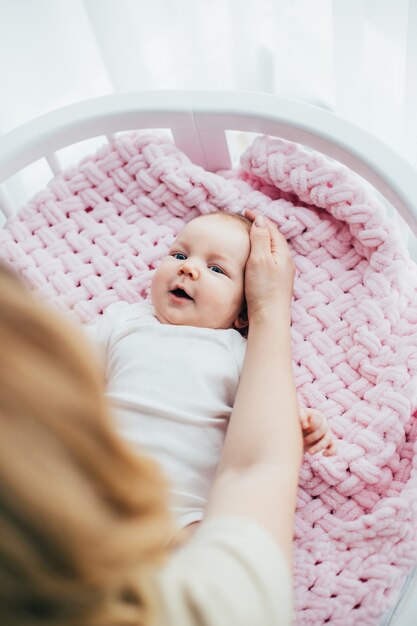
<point>241,321</point>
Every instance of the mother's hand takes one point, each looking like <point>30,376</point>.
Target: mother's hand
<point>270,271</point>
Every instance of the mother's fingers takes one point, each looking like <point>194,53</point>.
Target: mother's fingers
<point>269,270</point>
<point>261,240</point>
<point>250,214</point>
<point>278,242</point>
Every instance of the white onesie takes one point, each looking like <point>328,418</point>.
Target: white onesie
<point>173,388</point>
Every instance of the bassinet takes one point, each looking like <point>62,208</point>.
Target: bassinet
<point>198,121</point>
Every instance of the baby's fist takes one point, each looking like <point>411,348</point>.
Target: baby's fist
<point>317,434</point>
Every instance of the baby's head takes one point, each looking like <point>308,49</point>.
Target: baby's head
<point>202,280</point>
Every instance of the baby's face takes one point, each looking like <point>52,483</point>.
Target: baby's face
<point>201,281</point>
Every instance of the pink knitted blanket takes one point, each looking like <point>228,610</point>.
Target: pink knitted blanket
<point>96,233</point>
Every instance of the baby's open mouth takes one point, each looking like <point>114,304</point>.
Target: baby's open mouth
<point>180,293</point>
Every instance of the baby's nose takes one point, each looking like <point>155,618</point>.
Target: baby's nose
<point>189,269</point>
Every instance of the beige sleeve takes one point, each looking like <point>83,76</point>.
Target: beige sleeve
<point>231,573</point>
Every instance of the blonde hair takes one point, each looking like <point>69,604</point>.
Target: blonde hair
<point>238,217</point>
<point>83,520</point>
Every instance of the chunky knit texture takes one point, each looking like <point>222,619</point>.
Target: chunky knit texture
<point>95,235</point>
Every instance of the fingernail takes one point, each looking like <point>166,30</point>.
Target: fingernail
<point>259,220</point>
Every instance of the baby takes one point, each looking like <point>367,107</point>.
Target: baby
<point>173,366</point>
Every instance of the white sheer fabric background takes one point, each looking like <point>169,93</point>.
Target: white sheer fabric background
<point>356,57</point>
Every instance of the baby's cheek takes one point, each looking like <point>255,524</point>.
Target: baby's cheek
<point>156,284</point>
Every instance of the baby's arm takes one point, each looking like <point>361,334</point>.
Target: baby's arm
<point>317,434</point>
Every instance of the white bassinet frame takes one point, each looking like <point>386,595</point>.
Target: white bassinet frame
<point>198,121</point>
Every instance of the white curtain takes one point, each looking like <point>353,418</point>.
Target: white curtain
<point>53,52</point>
<point>356,57</point>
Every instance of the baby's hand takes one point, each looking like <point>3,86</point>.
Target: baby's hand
<point>317,434</point>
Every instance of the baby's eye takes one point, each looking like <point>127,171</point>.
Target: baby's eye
<point>217,269</point>
<point>179,255</point>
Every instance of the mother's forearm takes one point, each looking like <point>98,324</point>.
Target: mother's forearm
<point>264,425</point>
<point>258,472</point>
